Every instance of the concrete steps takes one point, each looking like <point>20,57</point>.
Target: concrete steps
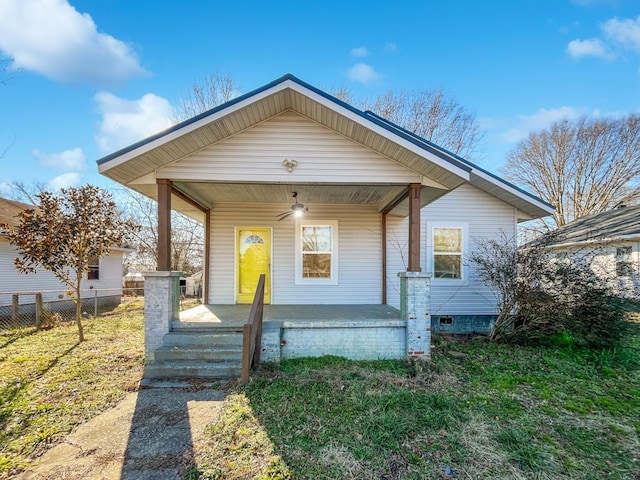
<point>195,351</point>
<point>192,369</point>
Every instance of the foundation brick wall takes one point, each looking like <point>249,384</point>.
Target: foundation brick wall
<point>353,340</point>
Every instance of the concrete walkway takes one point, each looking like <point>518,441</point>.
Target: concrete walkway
<point>152,434</point>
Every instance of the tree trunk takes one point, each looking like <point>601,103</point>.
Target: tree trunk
<point>79,313</point>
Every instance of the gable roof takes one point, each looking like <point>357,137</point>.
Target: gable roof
<point>9,210</point>
<point>622,223</point>
<point>290,93</point>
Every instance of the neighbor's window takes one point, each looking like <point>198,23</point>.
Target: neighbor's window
<point>94,269</point>
<point>624,266</point>
<point>447,252</point>
<point>316,255</point>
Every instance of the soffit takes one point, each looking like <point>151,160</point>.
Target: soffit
<point>152,157</point>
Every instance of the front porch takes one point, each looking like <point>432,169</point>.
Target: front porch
<point>359,332</point>
<point>236,315</point>
<point>206,341</point>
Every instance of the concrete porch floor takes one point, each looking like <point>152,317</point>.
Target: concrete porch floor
<point>235,315</point>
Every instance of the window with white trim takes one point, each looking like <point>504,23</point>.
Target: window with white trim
<point>448,245</point>
<point>93,272</point>
<point>624,266</point>
<point>317,253</point>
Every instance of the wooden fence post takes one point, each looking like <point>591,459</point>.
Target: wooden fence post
<point>15,308</point>
<point>38,311</point>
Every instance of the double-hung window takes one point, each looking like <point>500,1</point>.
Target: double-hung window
<point>317,253</point>
<point>447,250</point>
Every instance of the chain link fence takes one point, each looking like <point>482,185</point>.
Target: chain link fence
<point>22,309</point>
<point>29,308</point>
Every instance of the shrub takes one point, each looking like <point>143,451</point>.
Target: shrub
<point>543,295</point>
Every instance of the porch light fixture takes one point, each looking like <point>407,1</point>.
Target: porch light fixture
<point>298,211</point>
<point>289,164</point>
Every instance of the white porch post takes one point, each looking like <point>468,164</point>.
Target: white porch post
<point>161,307</point>
<point>414,309</point>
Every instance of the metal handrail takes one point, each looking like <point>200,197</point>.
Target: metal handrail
<point>252,333</point>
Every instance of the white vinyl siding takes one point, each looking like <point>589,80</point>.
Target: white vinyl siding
<point>604,262</point>
<point>12,280</point>
<point>322,156</point>
<point>359,244</point>
<point>484,217</point>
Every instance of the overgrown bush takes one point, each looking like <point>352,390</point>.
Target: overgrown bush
<point>544,295</point>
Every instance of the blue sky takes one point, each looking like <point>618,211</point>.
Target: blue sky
<point>87,77</point>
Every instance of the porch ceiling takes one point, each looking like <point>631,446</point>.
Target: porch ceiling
<point>208,194</point>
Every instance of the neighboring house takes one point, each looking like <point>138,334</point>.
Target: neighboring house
<point>103,279</point>
<point>611,240</point>
<point>375,200</point>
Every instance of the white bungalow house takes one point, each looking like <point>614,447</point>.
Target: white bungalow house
<point>611,241</point>
<point>374,201</point>
<point>19,289</point>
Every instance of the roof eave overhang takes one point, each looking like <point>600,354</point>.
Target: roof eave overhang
<point>596,241</point>
<point>451,170</point>
<point>532,206</point>
<point>109,164</point>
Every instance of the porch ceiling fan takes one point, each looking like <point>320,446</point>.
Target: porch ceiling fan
<point>297,209</point>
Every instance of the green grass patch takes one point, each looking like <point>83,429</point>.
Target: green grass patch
<point>49,383</point>
<point>476,410</point>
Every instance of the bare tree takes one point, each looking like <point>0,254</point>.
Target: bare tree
<point>581,167</point>
<point>4,71</point>
<point>187,235</point>
<point>26,192</point>
<point>212,90</point>
<point>433,115</point>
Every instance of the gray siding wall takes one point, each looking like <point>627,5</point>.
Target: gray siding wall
<point>322,154</point>
<point>359,250</point>
<point>485,216</point>
<point>11,280</point>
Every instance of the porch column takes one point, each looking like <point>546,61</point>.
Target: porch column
<point>164,224</point>
<point>415,303</point>
<point>161,307</point>
<point>414,228</point>
<point>207,253</point>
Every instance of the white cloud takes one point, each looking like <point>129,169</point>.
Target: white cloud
<point>65,180</point>
<point>625,32</point>
<point>593,47</point>
<point>363,73</point>
<point>540,120</point>
<point>52,38</point>
<point>65,160</point>
<point>5,188</point>
<point>359,52</point>
<point>127,121</point>
<point>390,48</point>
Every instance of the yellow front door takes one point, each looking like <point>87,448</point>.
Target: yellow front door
<point>253,258</point>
